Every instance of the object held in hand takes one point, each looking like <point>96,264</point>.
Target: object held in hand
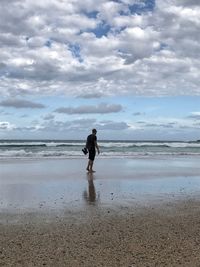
<point>85,151</point>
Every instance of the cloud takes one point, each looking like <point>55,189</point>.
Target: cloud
<point>80,125</point>
<point>113,48</point>
<point>20,103</point>
<point>188,2</point>
<point>194,115</point>
<point>112,125</point>
<point>162,123</point>
<point>49,117</point>
<point>102,108</point>
<point>4,125</point>
<point>74,125</point>
<point>91,95</point>
<point>138,113</point>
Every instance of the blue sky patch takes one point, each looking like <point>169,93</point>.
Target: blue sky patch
<point>145,6</point>
<point>92,15</point>
<point>76,51</point>
<point>48,43</point>
<point>101,30</point>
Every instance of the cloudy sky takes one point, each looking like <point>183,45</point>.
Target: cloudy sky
<point>130,68</point>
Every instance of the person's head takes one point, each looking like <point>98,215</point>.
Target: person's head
<point>94,131</point>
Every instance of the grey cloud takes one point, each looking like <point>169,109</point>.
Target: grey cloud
<point>83,124</point>
<point>98,109</point>
<point>6,126</point>
<point>188,3</point>
<point>91,95</point>
<point>166,125</point>
<point>160,125</point>
<point>20,103</point>
<point>49,117</point>
<point>194,116</point>
<point>186,127</point>
<point>34,128</point>
<point>151,125</point>
<point>197,124</point>
<point>24,116</point>
<point>138,113</point>
<point>80,124</point>
<point>141,122</point>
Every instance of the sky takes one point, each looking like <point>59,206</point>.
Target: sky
<point>129,68</point>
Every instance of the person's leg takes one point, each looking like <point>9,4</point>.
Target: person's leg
<point>91,160</point>
<point>89,165</point>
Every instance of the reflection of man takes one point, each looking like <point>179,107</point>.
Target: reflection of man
<point>92,146</point>
<point>90,196</point>
<point>91,189</point>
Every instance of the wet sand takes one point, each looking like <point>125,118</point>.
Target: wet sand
<point>129,213</point>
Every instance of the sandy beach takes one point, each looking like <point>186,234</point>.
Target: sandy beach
<point>131,212</point>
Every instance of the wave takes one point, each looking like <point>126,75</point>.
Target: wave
<point>102,144</point>
<point>20,146</point>
<point>72,149</point>
<point>41,154</point>
<point>21,154</point>
<point>39,144</point>
<point>149,144</point>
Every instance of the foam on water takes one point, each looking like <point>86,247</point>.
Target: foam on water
<point>109,149</point>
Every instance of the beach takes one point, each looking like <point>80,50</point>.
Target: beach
<point>130,212</point>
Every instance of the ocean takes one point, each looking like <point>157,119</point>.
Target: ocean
<point>33,149</point>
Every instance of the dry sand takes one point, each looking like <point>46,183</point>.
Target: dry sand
<point>166,235</point>
<point>127,216</point>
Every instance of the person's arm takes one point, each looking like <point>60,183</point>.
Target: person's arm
<point>97,147</point>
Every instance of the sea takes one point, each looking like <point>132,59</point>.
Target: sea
<point>36,149</point>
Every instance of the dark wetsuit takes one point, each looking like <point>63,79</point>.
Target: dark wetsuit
<point>91,139</point>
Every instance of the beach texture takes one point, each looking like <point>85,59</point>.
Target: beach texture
<point>162,236</point>
<point>129,213</point>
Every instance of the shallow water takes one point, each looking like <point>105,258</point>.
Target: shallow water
<point>53,185</point>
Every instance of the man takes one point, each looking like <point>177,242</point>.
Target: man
<point>92,145</point>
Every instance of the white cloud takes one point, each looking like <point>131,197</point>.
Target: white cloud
<point>50,47</point>
<point>194,115</point>
<point>111,125</point>
<point>4,125</point>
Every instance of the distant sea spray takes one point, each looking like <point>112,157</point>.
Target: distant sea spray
<point>109,149</point>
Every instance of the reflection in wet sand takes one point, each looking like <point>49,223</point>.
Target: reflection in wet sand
<point>90,194</point>
<point>48,185</point>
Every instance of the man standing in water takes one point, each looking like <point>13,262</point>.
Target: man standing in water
<point>92,145</point>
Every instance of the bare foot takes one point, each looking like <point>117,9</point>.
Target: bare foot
<point>88,169</point>
<point>92,171</point>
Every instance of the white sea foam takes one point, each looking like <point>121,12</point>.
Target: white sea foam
<point>77,154</point>
<point>35,143</point>
<point>109,149</point>
<point>150,144</point>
